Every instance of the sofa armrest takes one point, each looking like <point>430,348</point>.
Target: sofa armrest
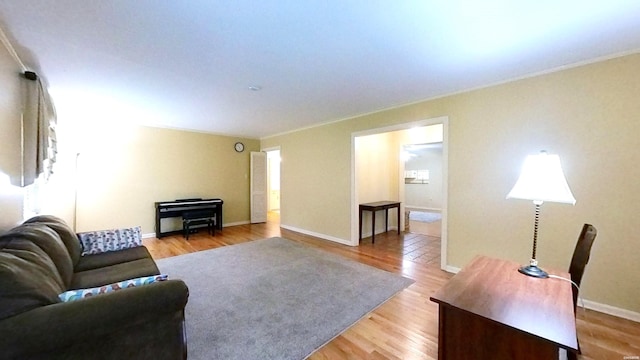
<point>88,320</point>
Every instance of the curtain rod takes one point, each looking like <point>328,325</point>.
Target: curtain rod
<point>12,51</point>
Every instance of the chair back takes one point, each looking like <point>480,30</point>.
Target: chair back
<point>581,258</point>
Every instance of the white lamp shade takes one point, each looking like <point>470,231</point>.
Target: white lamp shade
<point>542,180</point>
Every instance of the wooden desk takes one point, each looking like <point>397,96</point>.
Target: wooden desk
<point>373,207</point>
<point>491,311</point>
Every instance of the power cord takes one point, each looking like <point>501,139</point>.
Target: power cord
<point>580,299</point>
<point>569,280</point>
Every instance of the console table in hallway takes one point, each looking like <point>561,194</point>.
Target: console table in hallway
<point>376,206</point>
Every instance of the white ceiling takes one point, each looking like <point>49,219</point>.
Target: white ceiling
<point>189,64</point>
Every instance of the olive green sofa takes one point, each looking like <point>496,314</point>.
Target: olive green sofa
<point>41,259</point>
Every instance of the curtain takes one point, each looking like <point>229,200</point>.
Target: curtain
<point>38,131</point>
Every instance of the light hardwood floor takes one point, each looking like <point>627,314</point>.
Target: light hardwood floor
<point>406,326</point>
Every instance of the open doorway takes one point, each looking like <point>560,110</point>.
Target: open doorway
<point>273,185</point>
<point>379,174</point>
<point>422,183</point>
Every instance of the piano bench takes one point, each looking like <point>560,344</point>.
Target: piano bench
<point>196,218</point>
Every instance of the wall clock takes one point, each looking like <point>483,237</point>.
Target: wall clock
<point>239,147</point>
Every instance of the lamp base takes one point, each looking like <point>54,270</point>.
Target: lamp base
<point>533,270</point>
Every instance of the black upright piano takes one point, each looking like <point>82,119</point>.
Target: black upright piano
<point>169,209</point>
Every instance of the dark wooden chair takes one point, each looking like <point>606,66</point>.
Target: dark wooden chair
<point>192,219</point>
<point>578,263</point>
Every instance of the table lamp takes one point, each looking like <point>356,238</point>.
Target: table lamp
<point>541,180</point>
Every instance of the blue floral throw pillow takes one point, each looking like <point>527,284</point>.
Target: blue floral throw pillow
<point>96,242</point>
<point>73,295</point>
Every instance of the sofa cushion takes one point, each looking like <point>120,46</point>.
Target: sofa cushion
<point>89,262</point>
<point>28,277</point>
<point>49,241</point>
<point>67,235</point>
<point>96,242</point>
<point>79,294</point>
<point>114,273</point>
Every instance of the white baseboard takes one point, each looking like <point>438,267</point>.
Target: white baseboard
<point>149,235</point>
<point>236,223</point>
<point>422,208</point>
<point>318,235</point>
<point>451,269</point>
<point>611,310</point>
<point>588,304</point>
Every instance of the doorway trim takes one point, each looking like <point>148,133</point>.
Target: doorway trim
<point>444,120</point>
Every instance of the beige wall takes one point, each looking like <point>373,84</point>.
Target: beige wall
<point>121,179</point>
<point>589,115</point>
<point>10,158</point>
<point>377,161</point>
<point>314,200</point>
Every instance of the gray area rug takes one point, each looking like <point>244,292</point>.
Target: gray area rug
<point>426,217</point>
<point>274,298</point>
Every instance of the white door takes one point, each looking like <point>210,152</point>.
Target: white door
<point>258,187</point>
